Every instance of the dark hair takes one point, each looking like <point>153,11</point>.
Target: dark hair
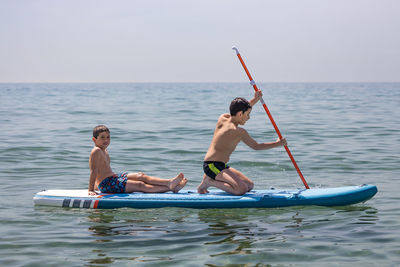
<point>100,129</point>
<point>239,104</point>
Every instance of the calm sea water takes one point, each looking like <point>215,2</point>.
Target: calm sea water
<point>339,134</point>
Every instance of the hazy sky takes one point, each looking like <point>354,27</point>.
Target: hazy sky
<point>190,41</point>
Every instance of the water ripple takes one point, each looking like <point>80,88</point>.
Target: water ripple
<point>339,134</point>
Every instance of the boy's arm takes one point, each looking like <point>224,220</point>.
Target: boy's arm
<point>92,180</point>
<point>248,140</point>
<point>93,171</point>
<point>257,96</point>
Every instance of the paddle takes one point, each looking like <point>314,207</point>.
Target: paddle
<point>270,117</point>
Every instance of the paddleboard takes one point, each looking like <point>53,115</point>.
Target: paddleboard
<point>270,198</point>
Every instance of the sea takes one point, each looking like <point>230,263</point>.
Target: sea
<point>340,134</point>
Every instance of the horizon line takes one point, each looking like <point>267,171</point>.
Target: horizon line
<point>110,82</point>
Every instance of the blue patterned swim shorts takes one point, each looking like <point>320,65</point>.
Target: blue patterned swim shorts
<point>114,184</point>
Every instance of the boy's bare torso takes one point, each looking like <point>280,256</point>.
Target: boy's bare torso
<point>226,137</point>
<point>99,162</point>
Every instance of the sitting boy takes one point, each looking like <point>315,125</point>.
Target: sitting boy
<point>103,178</point>
<point>227,135</point>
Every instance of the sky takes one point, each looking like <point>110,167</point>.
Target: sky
<point>191,40</point>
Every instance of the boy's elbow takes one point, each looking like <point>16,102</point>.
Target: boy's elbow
<point>256,147</point>
<point>260,147</point>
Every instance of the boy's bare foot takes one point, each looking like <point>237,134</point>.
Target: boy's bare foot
<point>180,185</point>
<point>202,188</point>
<point>174,182</point>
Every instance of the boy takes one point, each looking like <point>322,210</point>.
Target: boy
<point>227,135</point>
<point>103,178</point>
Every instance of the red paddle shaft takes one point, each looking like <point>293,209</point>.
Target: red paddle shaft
<point>270,117</point>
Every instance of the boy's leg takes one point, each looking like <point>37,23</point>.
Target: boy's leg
<point>202,188</point>
<point>170,183</point>
<point>244,178</point>
<point>227,180</point>
<point>139,186</point>
<point>236,183</point>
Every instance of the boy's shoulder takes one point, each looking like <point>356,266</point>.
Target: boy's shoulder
<point>96,151</point>
<point>224,121</point>
<point>224,117</point>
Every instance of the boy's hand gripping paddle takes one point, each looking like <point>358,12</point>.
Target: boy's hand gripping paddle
<point>270,117</point>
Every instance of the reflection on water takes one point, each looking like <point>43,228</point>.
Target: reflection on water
<point>157,235</point>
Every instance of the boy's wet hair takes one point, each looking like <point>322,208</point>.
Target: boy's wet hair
<point>100,129</point>
<point>239,104</point>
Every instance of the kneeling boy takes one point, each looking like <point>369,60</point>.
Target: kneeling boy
<point>227,135</point>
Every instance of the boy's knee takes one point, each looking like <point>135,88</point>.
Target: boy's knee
<point>250,186</point>
<point>134,186</point>
<point>241,190</point>
<point>140,185</point>
<point>140,175</point>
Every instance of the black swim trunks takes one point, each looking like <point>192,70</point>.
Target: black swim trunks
<point>212,168</point>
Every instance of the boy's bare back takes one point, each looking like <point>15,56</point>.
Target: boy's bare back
<point>226,137</point>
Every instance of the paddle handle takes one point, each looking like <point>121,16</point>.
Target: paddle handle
<point>252,82</point>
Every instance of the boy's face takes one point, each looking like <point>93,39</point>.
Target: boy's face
<point>103,140</point>
<point>244,116</point>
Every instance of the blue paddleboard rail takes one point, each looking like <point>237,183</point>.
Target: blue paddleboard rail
<point>271,198</point>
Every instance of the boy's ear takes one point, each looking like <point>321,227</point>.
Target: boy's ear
<point>94,139</point>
